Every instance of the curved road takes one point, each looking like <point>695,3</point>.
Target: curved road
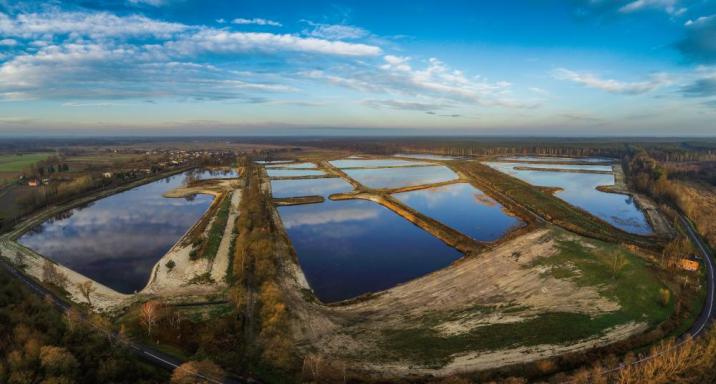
<point>151,355</point>
<point>707,313</point>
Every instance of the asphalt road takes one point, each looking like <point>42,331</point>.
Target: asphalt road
<point>707,314</point>
<point>151,355</point>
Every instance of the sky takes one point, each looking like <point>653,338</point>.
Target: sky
<point>244,67</point>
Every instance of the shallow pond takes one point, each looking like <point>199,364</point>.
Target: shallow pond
<point>579,189</point>
<point>426,156</point>
<point>309,187</point>
<point>118,239</point>
<point>216,173</point>
<point>401,177</point>
<point>357,163</point>
<point>293,172</point>
<point>464,208</point>
<point>601,168</point>
<point>547,159</point>
<point>351,247</point>
<point>293,165</point>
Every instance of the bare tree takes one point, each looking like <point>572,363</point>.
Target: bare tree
<point>51,275</point>
<point>87,289</point>
<point>149,314</point>
<point>197,372</point>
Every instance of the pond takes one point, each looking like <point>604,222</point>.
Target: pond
<point>579,189</point>
<point>548,159</point>
<point>213,173</point>
<point>426,156</point>
<point>118,239</point>
<point>401,177</point>
<point>358,163</point>
<point>464,208</point>
<point>293,172</point>
<point>351,247</point>
<point>309,187</point>
<point>583,167</point>
<point>293,165</point>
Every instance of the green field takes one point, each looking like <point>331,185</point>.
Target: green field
<point>16,163</point>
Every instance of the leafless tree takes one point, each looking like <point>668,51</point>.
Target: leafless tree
<point>87,289</point>
<point>150,314</point>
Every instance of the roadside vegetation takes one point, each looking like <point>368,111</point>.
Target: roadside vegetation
<point>207,245</point>
<point>41,345</point>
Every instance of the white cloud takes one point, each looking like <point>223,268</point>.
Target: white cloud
<point>336,31</point>
<point>397,76</point>
<point>153,3</point>
<point>699,21</point>
<point>669,6</point>
<point>257,21</point>
<point>91,24</point>
<point>8,42</point>
<point>610,85</point>
<point>220,41</point>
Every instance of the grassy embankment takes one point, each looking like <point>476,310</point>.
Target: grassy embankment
<point>587,263</point>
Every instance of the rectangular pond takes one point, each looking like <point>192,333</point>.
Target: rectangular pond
<point>309,187</point>
<point>118,239</point>
<point>426,156</point>
<point>581,167</point>
<point>359,163</point>
<point>401,177</point>
<point>293,172</point>
<point>351,247</point>
<point>464,208</point>
<point>557,159</point>
<point>579,189</point>
<point>293,166</point>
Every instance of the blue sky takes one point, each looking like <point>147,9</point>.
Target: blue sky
<point>187,67</point>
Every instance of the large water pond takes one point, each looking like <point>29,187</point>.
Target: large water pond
<point>293,172</point>
<point>401,177</point>
<point>579,189</point>
<point>214,173</point>
<point>351,247</point>
<point>358,163</point>
<point>464,208</point>
<point>582,167</point>
<point>293,166</point>
<point>117,240</point>
<point>560,159</point>
<point>426,156</point>
<point>309,187</point>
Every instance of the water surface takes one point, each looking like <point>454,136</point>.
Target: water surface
<point>559,159</point>
<point>213,173</point>
<point>427,156</point>
<point>401,177</point>
<point>579,189</point>
<point>118,239</point>
<point>464,208</point>
<point>351,247</point>
<point>293,172</point>
<point>582,167</point>
<point>309,187</point>
<point>357,163</point>
<point>293,165</point>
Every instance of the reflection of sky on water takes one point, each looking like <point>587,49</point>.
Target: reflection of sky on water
<point>464,208</point>
<point>118,239</point>
<point>351,163</point>
<point>558,159</point>
<point>293,172</point>
<point>309,187</point>
<point>426,156</point>
<point>579,189</point>
<point>295,166</point>
<point>347,248</point>
<point>221,173</point>
<point>607,168</point>
<point>401,177</point>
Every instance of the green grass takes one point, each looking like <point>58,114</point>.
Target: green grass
<point>636,289</point>
<point>16,163</point>
<point>216,232</point>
